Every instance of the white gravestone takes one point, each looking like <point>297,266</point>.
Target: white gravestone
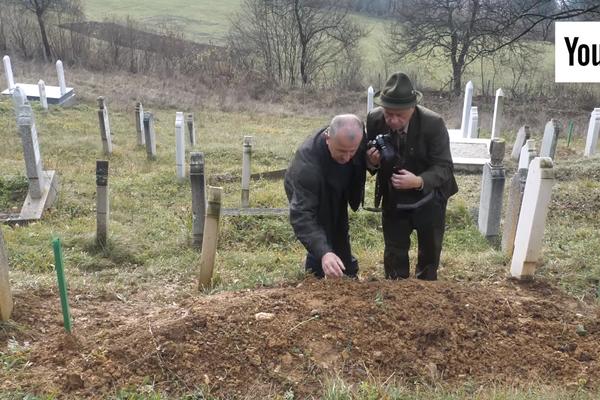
<point>61,78</point>
<point>179,145</point>
<point>31,150</point>
<point>369,99</point>
<point>464,126</point>
<point>6,301</point>
<point>104,124</point>
<point>246,157</point>
<point>473,132</point>
<point>532,218</point>
<point>498,110</point>
<point>10,81</point>
<point>551,131</point>
<point>515,197</point>
<point>19,98</point>
<point>591,142</point>
<point>522,136</point>
<point>139,124</point>
<point>43,98</point>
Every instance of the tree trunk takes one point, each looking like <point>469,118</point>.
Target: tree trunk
<point>47,52</point>
<point>456,79</point>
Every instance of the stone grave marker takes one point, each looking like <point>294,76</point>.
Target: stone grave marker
<point>43,185</point>
<point>191,129</point>
<point>370,94</point>
<point>179,146</point>
<point>522,135</point>
<point>498,110</point>
<point>8,73</point>
<point>591,142</point>
<point>102,203</point>
<point>464,126</point>
<point>246,158</point>
<point>139,124</point>
<point>473,131</point>
<point>551,131</point>
<point>150,135</point>
<point>43,98</point>
<point>198,197</point>
<point>532,218</point>
<point>492,192</point>
<point>104,124</point>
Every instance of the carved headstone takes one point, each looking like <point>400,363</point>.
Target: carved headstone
<point>473,132</point>
<point>464,126</point>
<point>179,146</point>
<point>104,124</point>
<point>139,124</point>
<point>532,218</point>
<point>492,192</point>
<point>591,143</point>
<point>498,110</point>
<point>551,131</point>
<point>150,135</point>
<point>522,136</point>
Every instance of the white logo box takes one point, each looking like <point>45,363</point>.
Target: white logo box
<point>576,50</point>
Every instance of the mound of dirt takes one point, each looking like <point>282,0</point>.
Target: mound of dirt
<point>267,341</point>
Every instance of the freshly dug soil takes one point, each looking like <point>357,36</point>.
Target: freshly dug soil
<point>405,331</point>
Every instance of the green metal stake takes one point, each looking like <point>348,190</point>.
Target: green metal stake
<point>570,133</point>
<point>62,283</point>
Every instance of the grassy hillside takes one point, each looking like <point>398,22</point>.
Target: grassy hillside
<point>208,21</point>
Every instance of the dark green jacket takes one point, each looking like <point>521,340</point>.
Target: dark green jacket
<point>308,194</point>
<point>427,155</point>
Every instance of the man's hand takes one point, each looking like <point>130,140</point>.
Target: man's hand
<point>405,179</point>
<point>333,267</point>
<point>373,157</point>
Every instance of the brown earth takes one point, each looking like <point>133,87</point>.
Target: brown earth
<point>408,331</point>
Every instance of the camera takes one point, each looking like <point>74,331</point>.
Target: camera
<point>388,157</point>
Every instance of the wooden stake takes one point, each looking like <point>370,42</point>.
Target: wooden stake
<point>211,234</point>
<point>6,301</point>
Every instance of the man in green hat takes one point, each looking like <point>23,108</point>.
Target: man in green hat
<point>410,153</point>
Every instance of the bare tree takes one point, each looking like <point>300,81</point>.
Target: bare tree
<point>41,8</point>
<point>293,40</point>
<point>463,31</point>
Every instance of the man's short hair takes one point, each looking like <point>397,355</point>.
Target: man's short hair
<point>346,121</point>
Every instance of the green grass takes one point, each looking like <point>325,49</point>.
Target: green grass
<point>150,224</point>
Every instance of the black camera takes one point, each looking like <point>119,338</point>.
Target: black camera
<point>388,156</point>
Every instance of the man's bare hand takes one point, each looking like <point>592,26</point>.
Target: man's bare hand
<point>373,157</point>
<point>405,179</point>
<point>333,267</point>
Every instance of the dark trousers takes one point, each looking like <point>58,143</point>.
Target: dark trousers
<point>429,221</point>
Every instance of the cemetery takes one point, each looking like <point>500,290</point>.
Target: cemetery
<point>152,254</point>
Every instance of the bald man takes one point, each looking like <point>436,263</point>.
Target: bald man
<point>326,175</point>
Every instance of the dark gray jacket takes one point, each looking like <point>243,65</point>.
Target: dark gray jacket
<point>308,194</point>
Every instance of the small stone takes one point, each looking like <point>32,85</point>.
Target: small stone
<point>378,355</point>
<point>581,330</point>
<point>255,360</point>
<point>315,312</point>
<point>264,316</point>
<point>345,354</point>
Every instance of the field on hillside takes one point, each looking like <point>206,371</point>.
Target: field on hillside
<point>208,21</point>
<point>141,329</point>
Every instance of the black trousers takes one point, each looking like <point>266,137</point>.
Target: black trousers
<point>429,221</point>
